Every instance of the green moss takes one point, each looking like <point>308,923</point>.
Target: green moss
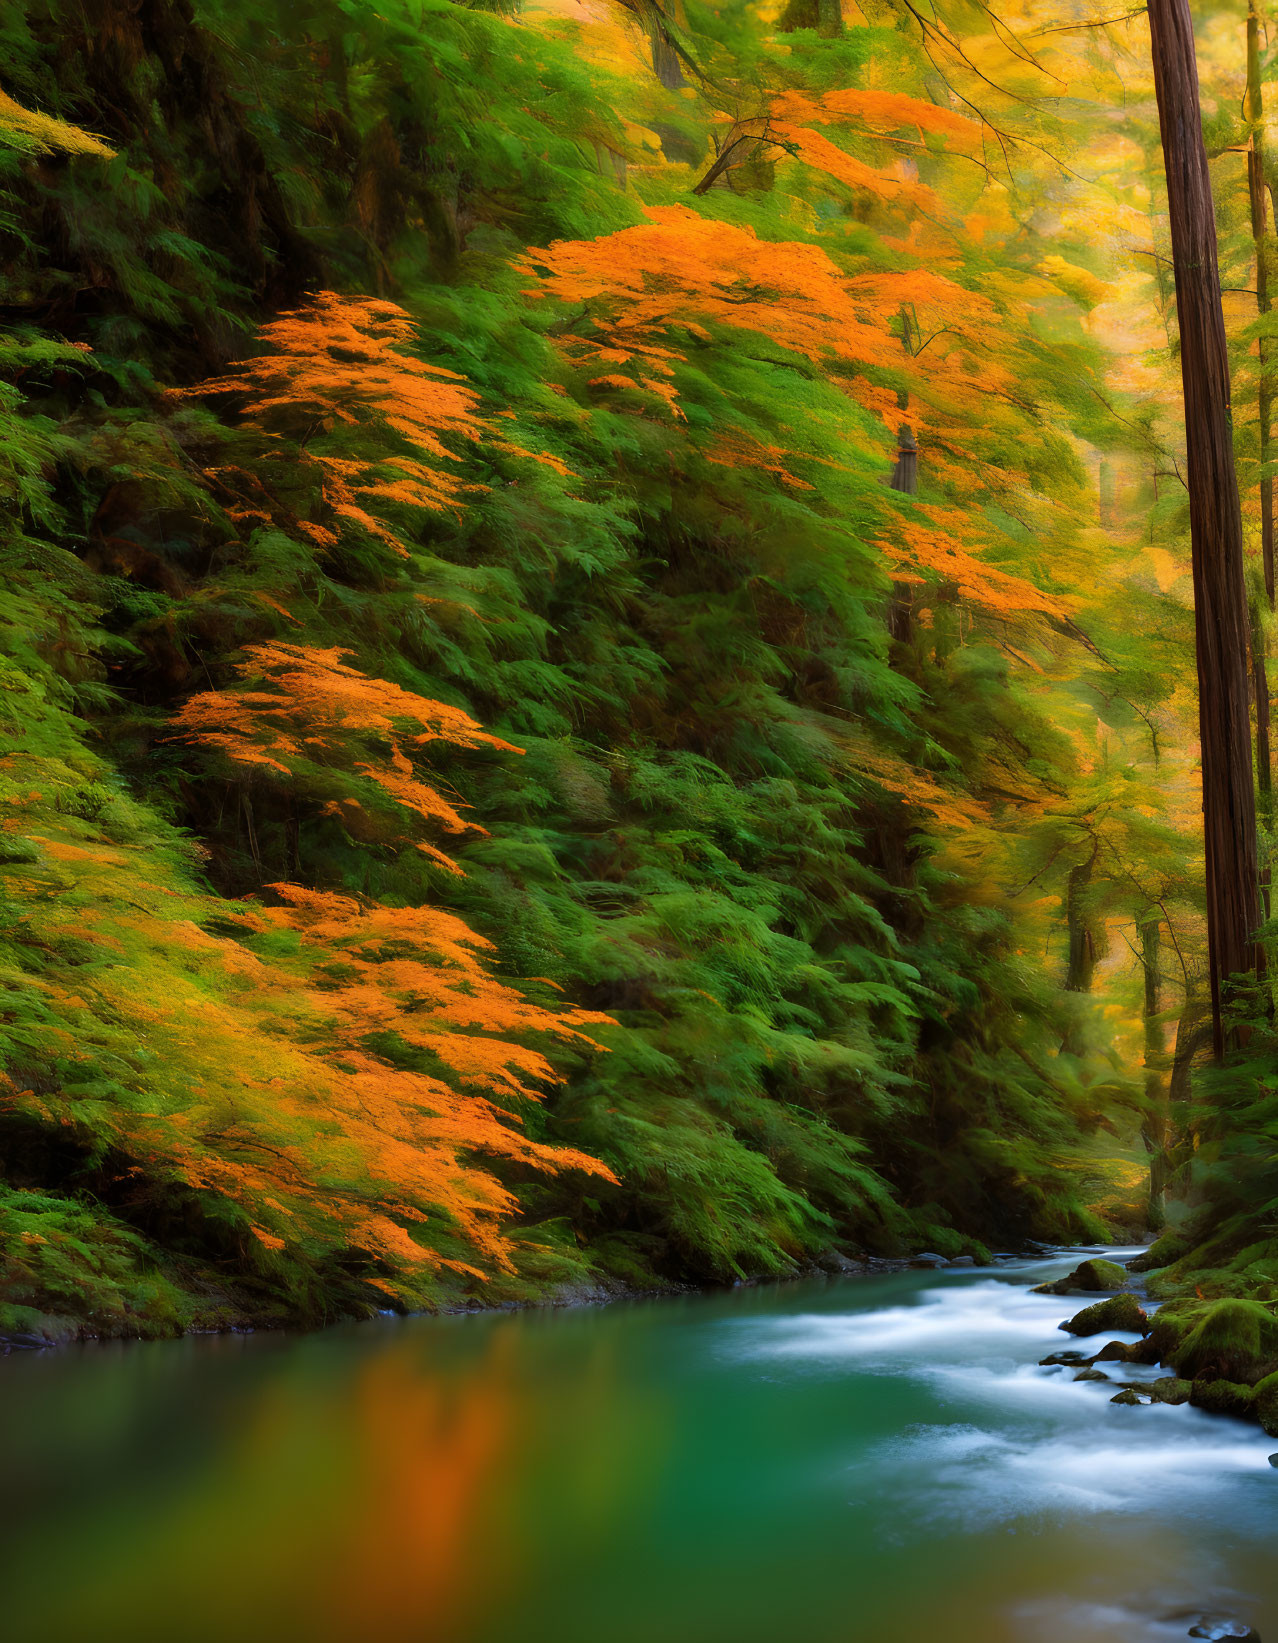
<point>1223,1398</point>
<point>1170,1389</point>
<point>1232,1340</point>
<point>1123,1313</point>
<point>1266,1404</point>
<point>1091,1276</point>
<point>69,1269</point>
<point>1162,1252</point>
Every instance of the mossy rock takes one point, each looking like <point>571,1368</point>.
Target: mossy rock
<point>1127,1397</point>
<point>1170,1389</point>
<point>1162,1252</point>
<point>1113,1352</point>
<point>1091,1375</point>
<point>1230,1341</point>
<point>1122,1313</point>
<point>1265,1404</point>
<point>1172,1324</point>
<point>1092,1277</point>
<point>1223,1398</point>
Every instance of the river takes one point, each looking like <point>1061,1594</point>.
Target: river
<point>859,1460</point>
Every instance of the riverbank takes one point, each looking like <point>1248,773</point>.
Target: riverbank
<point>52,1331</point>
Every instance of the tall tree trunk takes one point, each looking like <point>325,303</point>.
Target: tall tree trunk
<point>1220,600</point>
<point>1081,963</point>
<point>1155,1126</point>
<point>1193,1031</point>
<point>1255,115</point>
<point>905,478</point>
<point>1264,759</point>
<point>1254,110</point>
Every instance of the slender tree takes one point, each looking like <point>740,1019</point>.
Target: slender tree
<point>1255,113</point>
<point>1156,1123</point>
<point>1220,602</point>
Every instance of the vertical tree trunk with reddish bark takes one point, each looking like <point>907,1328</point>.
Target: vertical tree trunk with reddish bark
<point>1254,110</point>
<point>1220,599</point>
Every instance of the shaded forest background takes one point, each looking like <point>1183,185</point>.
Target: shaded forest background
<point>598,669</point>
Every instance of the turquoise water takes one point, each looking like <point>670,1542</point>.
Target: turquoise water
<point>841,1461</point>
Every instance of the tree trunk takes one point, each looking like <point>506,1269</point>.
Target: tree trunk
<point>1254,110</point>
<point>829,19</point>
<point>905,478</point>
<point>1255,114</point>
<point>1192,1033</point>
<point>1081,964</point>
<point>1220,601</point>
<point>1155,1129</point>
<point>1264,759</point>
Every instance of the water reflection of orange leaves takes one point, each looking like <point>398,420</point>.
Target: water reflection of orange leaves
<point>417,1559</point>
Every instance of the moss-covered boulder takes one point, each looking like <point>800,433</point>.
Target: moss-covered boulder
<point>1170,1389</point>
<point>1121,1313</point>
<point>1230,1341</point>
<point>1265,1404</point>
<point>1127,1397</point>
<point>1113,1352</point>
<point>1092,1277</point>
<point>1223,1398</point>
<point>1162,1252</point>
<point>1170,1327</point>
<point>1101,1276</point>
<point>1091,1375</point>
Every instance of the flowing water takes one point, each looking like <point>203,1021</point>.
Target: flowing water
<point>862,1460</point>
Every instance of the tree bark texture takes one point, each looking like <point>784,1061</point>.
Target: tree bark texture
<point>1155,1127</point>
<point>1220,601</point>
<point>1081,962</point>
<point>1255,114</point>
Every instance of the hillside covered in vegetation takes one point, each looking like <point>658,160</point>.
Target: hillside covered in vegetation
<point>598,670</point>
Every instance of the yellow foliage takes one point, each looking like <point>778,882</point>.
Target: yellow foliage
<point>46,135</point>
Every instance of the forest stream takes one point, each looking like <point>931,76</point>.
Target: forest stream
<point>852,1460</point>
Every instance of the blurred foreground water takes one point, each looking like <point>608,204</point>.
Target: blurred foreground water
<point>865,1460</point>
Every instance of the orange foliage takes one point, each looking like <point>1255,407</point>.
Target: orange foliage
<point>412,977</point>
<point>340,361</point>
<point>315,712</point>
<point>936,552</point>
<point>292,1106</point>
<point>948,807</point>
<point>647,288</point>
<point>682,272</point>
<point>341,1072</point>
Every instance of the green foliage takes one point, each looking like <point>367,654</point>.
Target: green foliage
<point>767,829</point>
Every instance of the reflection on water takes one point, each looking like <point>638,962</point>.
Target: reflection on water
<point>833,1462</point>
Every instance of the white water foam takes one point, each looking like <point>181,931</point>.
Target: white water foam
<point>1025,1441</point>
